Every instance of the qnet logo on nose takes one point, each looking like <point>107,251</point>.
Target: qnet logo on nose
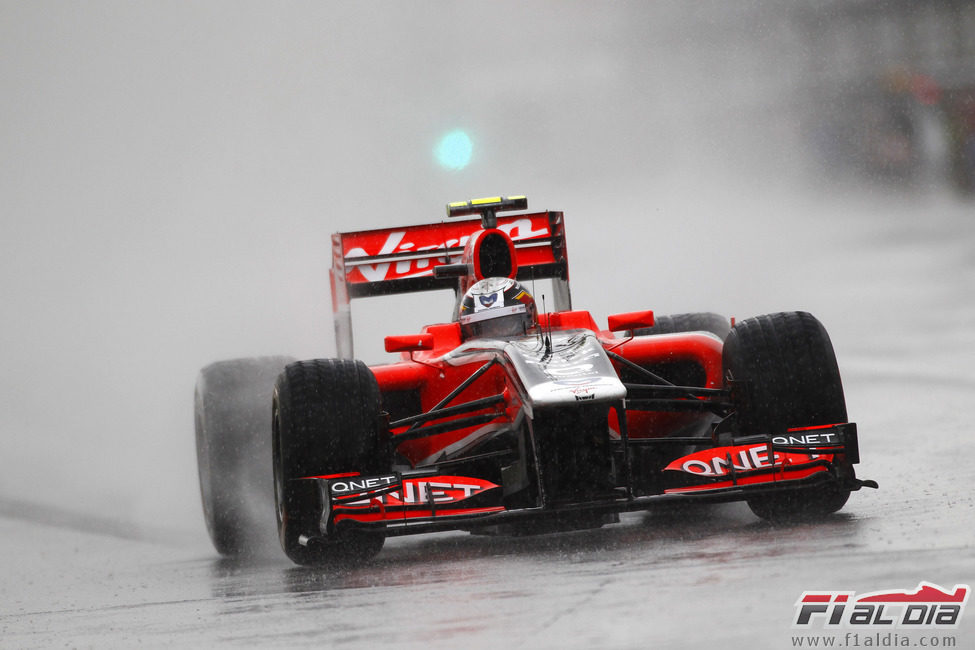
<point>927,606</point>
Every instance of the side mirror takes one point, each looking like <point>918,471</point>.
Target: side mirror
<point>410,343</point>
<point>630,321</point>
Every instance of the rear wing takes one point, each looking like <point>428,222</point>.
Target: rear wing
<point>402,260</point>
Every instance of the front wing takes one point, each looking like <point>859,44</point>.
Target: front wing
<point>425,500</point>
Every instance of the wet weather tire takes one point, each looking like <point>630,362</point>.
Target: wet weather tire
<point>232,409</point>
<point>326,416</point>
<point>693,322</point>
<point>790,377</point>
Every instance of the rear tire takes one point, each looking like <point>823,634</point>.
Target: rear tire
<point>693,322</point>
<point>792,379</point>
<point>325,421</point>
<point>232,408</point>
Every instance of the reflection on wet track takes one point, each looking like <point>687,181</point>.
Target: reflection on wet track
<point>681,577</point>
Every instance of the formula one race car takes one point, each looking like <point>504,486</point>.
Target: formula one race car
<point>506,420</point>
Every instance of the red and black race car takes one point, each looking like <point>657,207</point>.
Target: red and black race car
<point>509,419</point>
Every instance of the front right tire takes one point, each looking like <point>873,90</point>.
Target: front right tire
<point>325,421</point>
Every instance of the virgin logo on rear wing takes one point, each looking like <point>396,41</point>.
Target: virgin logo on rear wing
<point>402,260</point>
<point>405,253</point>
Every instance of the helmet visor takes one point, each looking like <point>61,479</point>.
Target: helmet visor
<point>502,322</point>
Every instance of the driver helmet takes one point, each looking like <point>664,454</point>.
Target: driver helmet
<point>497,308</point>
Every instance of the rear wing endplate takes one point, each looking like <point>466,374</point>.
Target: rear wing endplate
<point>401,260</point>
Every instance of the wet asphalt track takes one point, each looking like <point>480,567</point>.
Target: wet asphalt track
<point>903,322</point>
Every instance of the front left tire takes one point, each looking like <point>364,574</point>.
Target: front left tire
<point>788,364</point>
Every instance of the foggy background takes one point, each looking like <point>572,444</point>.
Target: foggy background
<point>170,174</point>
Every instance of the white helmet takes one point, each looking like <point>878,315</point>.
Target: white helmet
<point>497,308</point>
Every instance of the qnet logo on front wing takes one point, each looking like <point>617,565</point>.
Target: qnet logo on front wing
<point>929,606</point>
